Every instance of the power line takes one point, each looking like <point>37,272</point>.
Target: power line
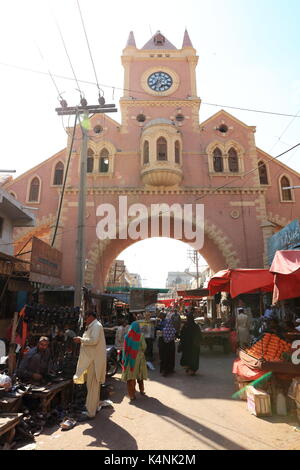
<point>144,93</point>
<point>49,72</point>
<point>251,110</point>
<point>66,51</point>
<point>88,44</point>
<point>286,128</point>
<point>249,172</point>
<point>64,184</point>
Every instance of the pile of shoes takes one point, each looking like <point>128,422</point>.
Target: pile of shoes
<point>31,424</point>
<point>18,390</point>
<point>40,316</point>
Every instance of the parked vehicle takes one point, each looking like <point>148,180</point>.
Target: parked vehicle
<point>112,360</point>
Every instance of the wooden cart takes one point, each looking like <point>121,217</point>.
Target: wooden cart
<point>219,337</point>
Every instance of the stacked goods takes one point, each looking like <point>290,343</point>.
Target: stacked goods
<point>258,402</point>
<point>269,347</point>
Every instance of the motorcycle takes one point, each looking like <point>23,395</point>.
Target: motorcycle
<point>113,360</point>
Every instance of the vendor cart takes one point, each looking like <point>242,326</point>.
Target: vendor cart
<point>216,336</point>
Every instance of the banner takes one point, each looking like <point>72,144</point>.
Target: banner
<point>139,298</point>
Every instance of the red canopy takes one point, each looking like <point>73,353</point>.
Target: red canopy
<point>286,267</point>
<point>241,281</point>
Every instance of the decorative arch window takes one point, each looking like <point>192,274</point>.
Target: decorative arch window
<point>90,161</point>
<point>104,161</point>
<point>262,171</point>
<point>177,151</point>
<point>233,161</point>
<point>162,149</point>
<point>286,194</point>
<point>218,160</point>
<point>34,191</point>
<point>58,174</point>
<point>146,152</point>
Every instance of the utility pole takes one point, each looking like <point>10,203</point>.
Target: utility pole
<point>194,256</point>
<point>85,110</point>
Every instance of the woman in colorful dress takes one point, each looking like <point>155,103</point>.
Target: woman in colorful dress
<point>134,362</point>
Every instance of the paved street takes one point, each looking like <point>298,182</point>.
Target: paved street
<point>180,412</point>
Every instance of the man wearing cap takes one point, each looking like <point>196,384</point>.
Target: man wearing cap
<point>91,366</point>
<point>36,364</point>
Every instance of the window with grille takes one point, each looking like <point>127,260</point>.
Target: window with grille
<point>286,194</point>
<point>146,152</point>
<point>177,151</point>
<point>162,149</point>
<point>104,161</point>
<point>90,161</point>
<point>263,175</point>
<point>218,161</point>
<point>58,173</point>
<point>233,161</point>
<point>34,190</point>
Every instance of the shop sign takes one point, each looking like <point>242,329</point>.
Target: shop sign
<point>46,262</point>
<point>140,298</point>
<point>286,239</point>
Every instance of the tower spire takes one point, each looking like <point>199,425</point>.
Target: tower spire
<point>131,40</point>
<point>186,40</point>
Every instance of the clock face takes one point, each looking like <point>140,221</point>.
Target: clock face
<point>159,81</point>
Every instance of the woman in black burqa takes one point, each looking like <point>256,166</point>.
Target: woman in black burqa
<point>190,339</point>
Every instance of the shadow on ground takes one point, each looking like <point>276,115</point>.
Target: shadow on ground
<point>108,434</point>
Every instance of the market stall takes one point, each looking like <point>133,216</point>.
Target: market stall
<point>286,270</point>
<point>241,281</point>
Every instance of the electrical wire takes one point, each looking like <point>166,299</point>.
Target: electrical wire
<point>66,51</point>
<point>64,184</point>
<point>144,93</point>
<point>285,129</point>
<point>49,72</point>
<point>88,44</point>
<point>248,172</point>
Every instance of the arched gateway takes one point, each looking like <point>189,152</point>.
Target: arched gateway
<point>161,154</point>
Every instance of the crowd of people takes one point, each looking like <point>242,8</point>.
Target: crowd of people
<point>135,337</point>
<point>138,342</point>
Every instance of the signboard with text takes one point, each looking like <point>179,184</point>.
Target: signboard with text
<point>45,262</point>
<point>286,239</point>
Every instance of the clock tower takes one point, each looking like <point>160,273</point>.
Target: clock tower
<point>160,107</point>
<point>159,82</point>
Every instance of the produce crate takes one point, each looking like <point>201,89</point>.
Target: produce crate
<point>258,402</point>
<point>294,390</point>
<point>249,360</point>
<point>239,386</point>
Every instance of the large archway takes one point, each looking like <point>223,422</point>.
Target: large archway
<point>217,250</point>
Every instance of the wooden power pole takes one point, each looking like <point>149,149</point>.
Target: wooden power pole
<point>80,242</point>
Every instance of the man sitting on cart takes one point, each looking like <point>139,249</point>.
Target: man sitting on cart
<point>36,364</point>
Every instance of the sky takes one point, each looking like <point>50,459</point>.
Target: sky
<point>248,58</point>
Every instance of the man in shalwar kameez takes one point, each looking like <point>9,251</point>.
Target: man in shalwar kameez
<point>91,366</point>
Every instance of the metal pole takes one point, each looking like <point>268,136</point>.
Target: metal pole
<point>80,243</point>
<point>197,268</point>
